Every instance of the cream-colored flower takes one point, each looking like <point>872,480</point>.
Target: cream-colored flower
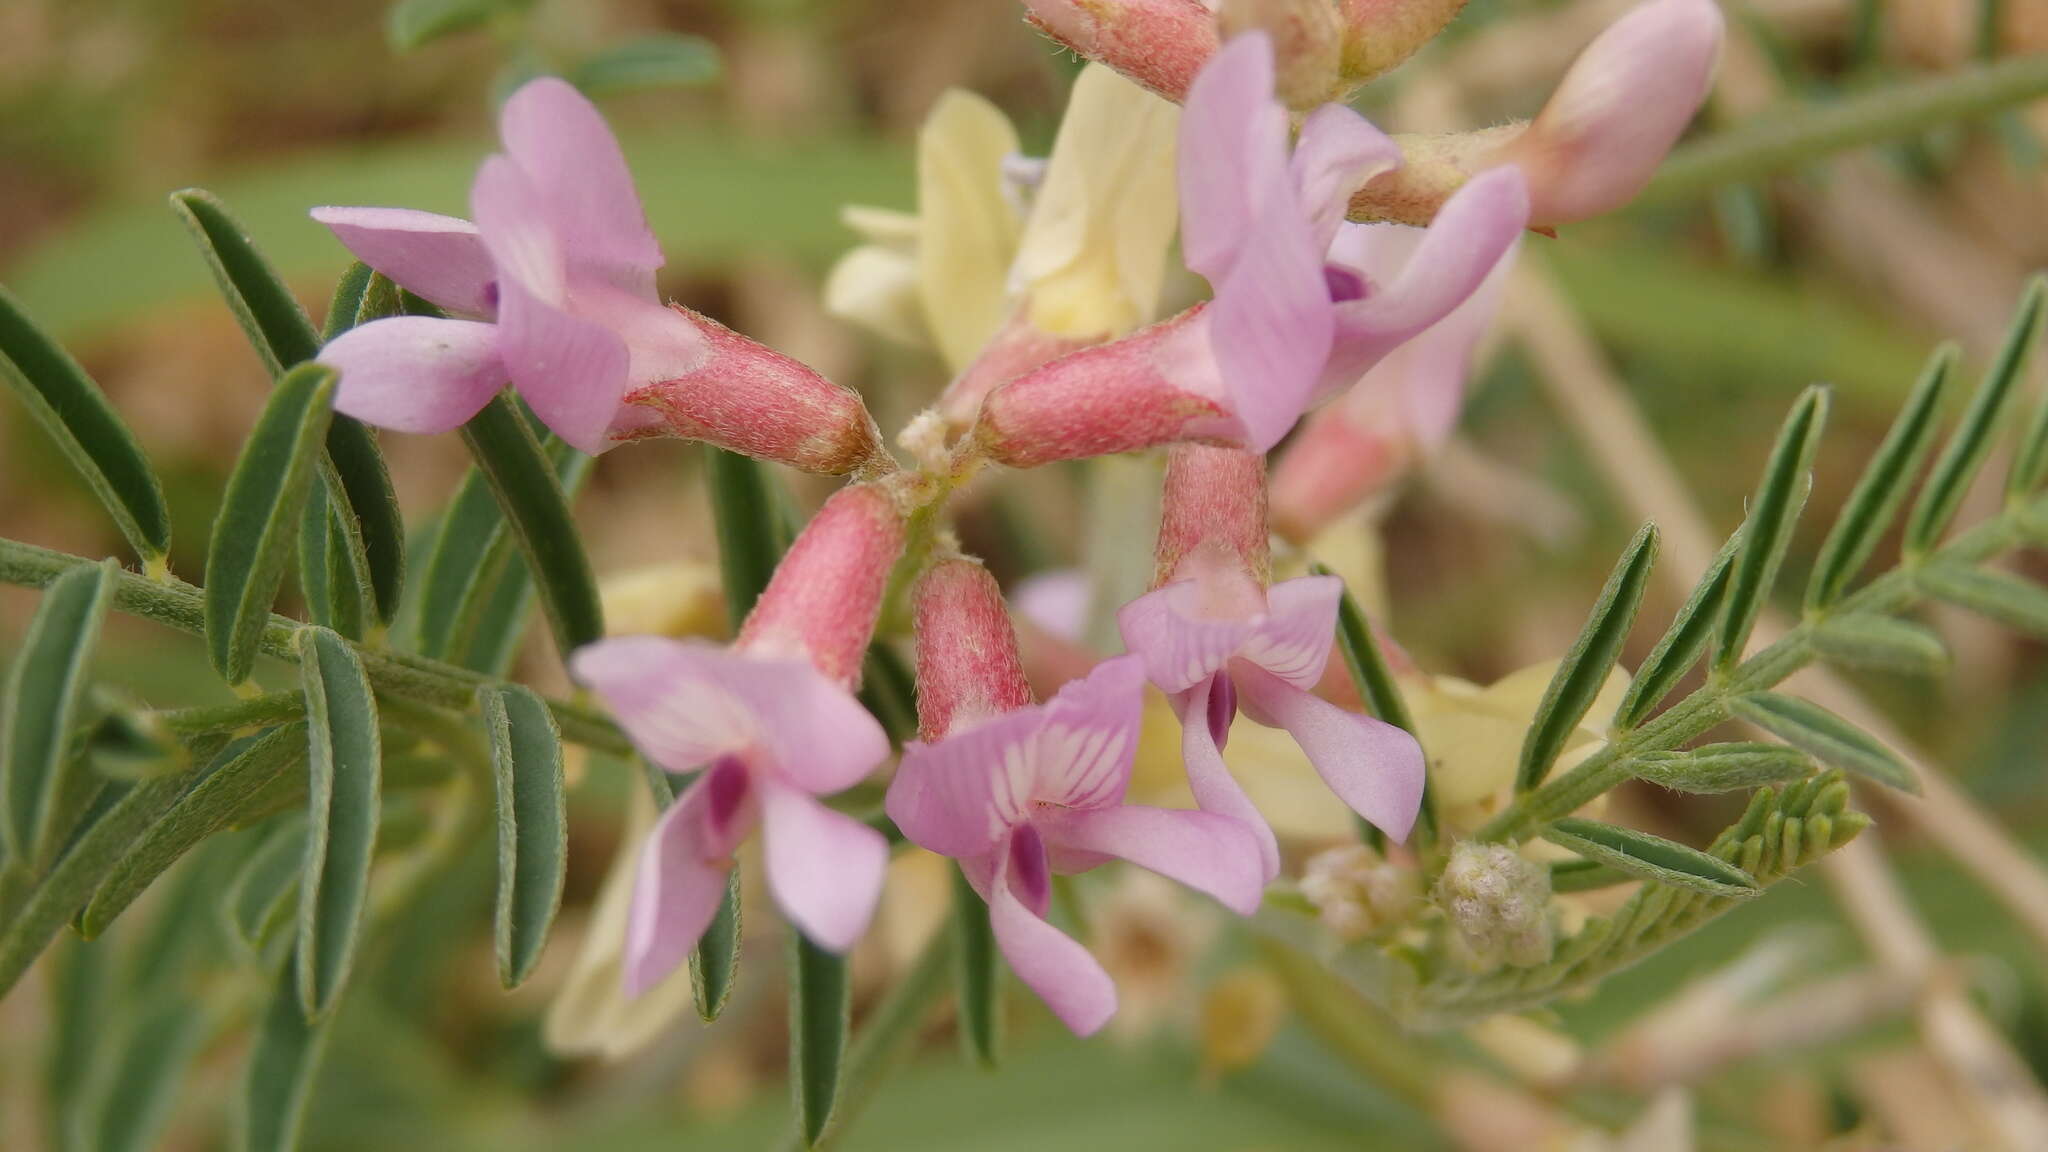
<point>1084,258</point>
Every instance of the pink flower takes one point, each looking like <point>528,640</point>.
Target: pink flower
<point>1039,790</point>
<point>554,287</point>
<point>1214,639</point>
<point>769,736</point>
<point>1261,223</point>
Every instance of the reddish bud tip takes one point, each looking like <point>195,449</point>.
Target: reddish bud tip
<point>967,662</point>
<point>1161,44</point>
<point>1017,348</point>
<point>1213,496</point>
<point>822,601</point>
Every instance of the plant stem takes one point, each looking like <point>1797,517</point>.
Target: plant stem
<point>1784,138</point>
<point>176,604</point>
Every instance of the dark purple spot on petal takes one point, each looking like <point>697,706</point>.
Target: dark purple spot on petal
<point>1345,284</point>
<point>728,785</point>
<point>1222,707</point>
<point>1030,871</point>
<point>491,297</point>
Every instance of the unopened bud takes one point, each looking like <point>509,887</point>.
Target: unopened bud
<point>967,663</point>
<point>1159,43</point>
<point>822,602</point>
<point>1359,893</point>
<point>1111,398</point>
<point>1498,906</point>
<point>1217,496</point>
<point>1308,44</point>
<point>750,399</point>
<point>1336,463</point>
<point>1616,114</point>
<point>1017,347</point>
<point>1379,34</point>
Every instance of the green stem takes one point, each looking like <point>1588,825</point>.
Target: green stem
<point>269,708</point>
<point>1787,137</point>
<point>1708,705</point>
<point>176,604</point>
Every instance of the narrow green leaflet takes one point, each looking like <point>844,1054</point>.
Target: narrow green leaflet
<point>820,998</point>
<point>343,787</point>
<point>2012,601</point>
<point>210,806</point>
<point>253,534</point>
<point>977,974</point>
<point>328,580</point>
<point>1586,665</point>
<point>75,414</point>
<point>353,468</point>
<point>80,992</point>
<point>531,496</point>
<point>280,1073</point>
<point>131,1095</point>
<point>1829,738</point>
<point>1580,875</point>
<point>362,295</point>
<point>1682,643</point>
<point>1882,488</point>
<point>1883,643</point>
<point>409,24</point>
<point>716,959</point>
<point>2030,464</point>
<point>1734,767</point>
<point>258,901</point>
<point>1768,530</point>
<point>533,826</point>
<point>1375,684</point>
<point>1651,858</point>
<point>1964,453</point>
<point>40,783</point>
<point>649,62</point>
<point>53,902</point>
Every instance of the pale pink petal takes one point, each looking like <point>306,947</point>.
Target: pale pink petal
<point>1233,144</point>
<point>1337,152</point>
<point>513,223</point>
<point>960,795</point>
<point>437,257</point>
<point>1056,601</point>
<point>570,370</point>
<point>681,878</point>
<point>1272,323</point>
<point>415,373</point>
<point>1372,766</point>
<point>665,343</point>
<point>1473,232</point>
<point>825,867</point>
<point>1209,778</point>
<point>1438,363</point>
<point>1050,963</point>
<point>562,144</point>
<point>1208,852</point>
<point>1180,642</point>
<point>1083,749</point>
<point>1293,641</point>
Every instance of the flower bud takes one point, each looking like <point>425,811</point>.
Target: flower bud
<point>1379,34</point>
<point>1213,496</point>
<point>1498,906</point>
<point>1308,44</point>
<point>750,399</point>
<point>1017,347</point>
<point>1359,893</point>
<point>1618,111</point>
<point>967,663</point>
<point>1336,463</point>
<point>1110,398</point>
<point>1159,43</point>
<point>822,601</point>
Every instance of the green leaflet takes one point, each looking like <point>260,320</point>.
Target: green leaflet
<point>977,973</point>
<point>1581,875</point>
<point>1964,453</point>
<point>1882,488</point>
<point>1768,531</point>
<point>328,580</point>
<point>716,959</point>
<point>1829,738</point>
<point>1884,643</point>
<point>343,790</point>
<point>660,60</point>
<point>253,533</point>
<point>76,415</point>
<point>1375,684</point>
<point>1651,858</point>
<point>258,901</point>
<point>410,24</point>
<point>819,1004</point>
<point>2030,463</point>
<point>280,1073</point>
<point>1585,667</point>
<point>79,994</point>
<point>130,1097</point>
<point>362,295</point>
<point>89,858</point>
<point>353,468</point>
<point>2015,602</point>
<point>1734,767</point>
<point>533,826</point>
<point>532,499</point>
<point>212,804</point>
<point>40,781</point>
<point>1680,647</point>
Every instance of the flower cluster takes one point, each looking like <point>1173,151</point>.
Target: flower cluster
<point>1038,283</point>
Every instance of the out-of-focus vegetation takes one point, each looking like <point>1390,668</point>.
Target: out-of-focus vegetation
<point>1716,308</point>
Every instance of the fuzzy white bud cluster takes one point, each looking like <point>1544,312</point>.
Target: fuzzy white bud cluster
<point>1357,892</point>
<point>1498,905</point>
